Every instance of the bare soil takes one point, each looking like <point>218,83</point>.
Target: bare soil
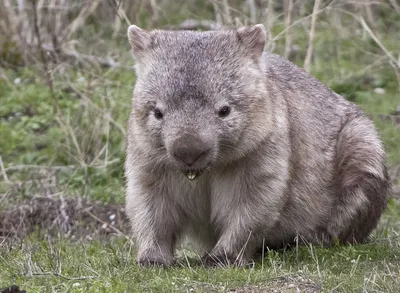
<point>74,217</point>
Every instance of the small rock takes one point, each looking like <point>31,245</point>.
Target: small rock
<point>12,289</point>
<point>379,91</point>
<point>112,217</point>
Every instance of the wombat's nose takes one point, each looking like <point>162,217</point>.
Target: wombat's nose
<point>189,149</point>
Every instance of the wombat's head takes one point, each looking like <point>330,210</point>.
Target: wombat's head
<point>200,97</point>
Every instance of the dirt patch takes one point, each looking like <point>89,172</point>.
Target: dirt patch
<point>74,217</point>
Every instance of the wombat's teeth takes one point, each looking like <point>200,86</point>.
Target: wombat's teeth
<point>191,175</point>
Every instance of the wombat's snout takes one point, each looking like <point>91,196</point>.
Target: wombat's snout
<point>190,149</point>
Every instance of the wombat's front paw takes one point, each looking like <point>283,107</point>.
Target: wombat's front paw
<point>148,260</point>
<point>151,263</point>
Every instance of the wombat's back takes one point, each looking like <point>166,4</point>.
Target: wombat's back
<point>338,163</point>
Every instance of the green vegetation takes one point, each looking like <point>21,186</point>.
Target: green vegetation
<point>64,266</point>
<point>64,134</point>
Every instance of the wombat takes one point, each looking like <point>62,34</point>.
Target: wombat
<point>237,149</point>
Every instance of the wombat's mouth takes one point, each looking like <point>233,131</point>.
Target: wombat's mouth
<point>192,174</point>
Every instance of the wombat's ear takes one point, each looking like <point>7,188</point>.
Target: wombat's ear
<point>253,38</point>
<point>139,39</point>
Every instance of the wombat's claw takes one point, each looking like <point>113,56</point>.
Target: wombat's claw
<point>151,263</point>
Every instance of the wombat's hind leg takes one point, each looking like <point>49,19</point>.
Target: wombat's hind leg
<point>362,182</point>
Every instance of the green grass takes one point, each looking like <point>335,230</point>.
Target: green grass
<point>82,136</point>
<point>61,265</point>
<point>84,145</point>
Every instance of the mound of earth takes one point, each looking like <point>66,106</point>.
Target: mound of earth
<point>73,217</point>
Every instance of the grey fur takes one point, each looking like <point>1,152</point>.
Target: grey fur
<point>291,159</point>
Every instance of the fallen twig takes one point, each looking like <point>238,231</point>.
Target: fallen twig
<point>3,171</point>
<point>62,276</point>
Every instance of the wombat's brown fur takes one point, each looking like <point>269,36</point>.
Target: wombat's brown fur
<point>237,148</point>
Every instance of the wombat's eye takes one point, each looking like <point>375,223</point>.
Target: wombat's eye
<point>158,114</point>
<point>224,111</point>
